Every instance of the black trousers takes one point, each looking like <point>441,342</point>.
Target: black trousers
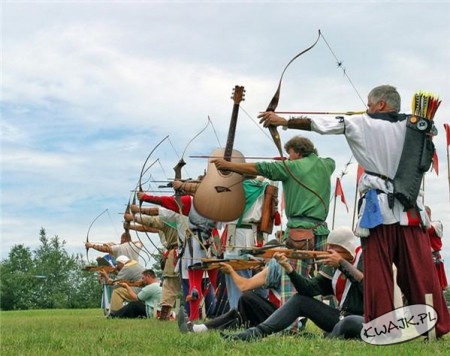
<point>324,316</point>
<point>252,310</point>
<point>131,310</point>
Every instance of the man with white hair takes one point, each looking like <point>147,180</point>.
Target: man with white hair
<point>345,284</point>
<point>395,151</point>
<point>130,271</point>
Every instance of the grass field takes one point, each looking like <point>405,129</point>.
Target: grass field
<point>87,332</point>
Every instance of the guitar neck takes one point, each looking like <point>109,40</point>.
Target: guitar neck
<point>238,96</point>
<point>231,133</point>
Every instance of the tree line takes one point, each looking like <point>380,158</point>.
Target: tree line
<point>46,278</point>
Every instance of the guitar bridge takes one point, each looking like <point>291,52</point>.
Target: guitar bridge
<point>221,189</point>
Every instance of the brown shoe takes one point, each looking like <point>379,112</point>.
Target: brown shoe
<point>165,313</point>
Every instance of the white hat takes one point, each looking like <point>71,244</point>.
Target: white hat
<point>343,236</point>
<point>122,259</point>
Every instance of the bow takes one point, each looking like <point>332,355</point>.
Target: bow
<point>274,132</point>
<point>89,229</point>
<point>139,186</point>
<point>132,245</point>
<point>181,163</point>
<point>178,192</point>
<point>143,169</point>
<point>177,169</point>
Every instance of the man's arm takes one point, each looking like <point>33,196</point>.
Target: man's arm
<point>303,285</point>
<point>336,260</point>
<point>185,187</point>
<point>354,274</point>
<point>271,119</point>
<point>152,211</point>
<point>245,284</point>
<point>131,293</point>
<point>143,228</point>
<point>99,247</point>
<point>167,202</point>
<point>105,276</point>
<point>238,167</point>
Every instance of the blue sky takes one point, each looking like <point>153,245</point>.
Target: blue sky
<point>90,87</point>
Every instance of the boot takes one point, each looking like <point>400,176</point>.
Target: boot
<point>251,334</point>
<point>183,325</point>
<point>225,321</point>
<point>165,313</point>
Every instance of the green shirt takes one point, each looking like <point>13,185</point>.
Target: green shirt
<point>313,171</point>
<point>151,295</point>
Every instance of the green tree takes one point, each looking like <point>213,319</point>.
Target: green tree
<point>447,296</point>
<point>53,262</point>
<point>18,279</point>
<point>46,278</point>
<point>84,290</point>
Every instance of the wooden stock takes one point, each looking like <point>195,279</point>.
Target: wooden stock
<point>295,254</point>
<point>108,269</point>
<point>237,264</point>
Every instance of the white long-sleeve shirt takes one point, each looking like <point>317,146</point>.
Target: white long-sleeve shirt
<point>377,145</point>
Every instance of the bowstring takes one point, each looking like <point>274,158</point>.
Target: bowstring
<point>112,224</point>
<point>215,132</point>
<point>256,124</point>
<point>344,70</point>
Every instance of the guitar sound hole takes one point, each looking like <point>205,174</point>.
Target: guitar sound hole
<point>221,189</point>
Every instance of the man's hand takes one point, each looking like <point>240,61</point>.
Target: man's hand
<point>128,217</point>
<point>269,118</point>
<point>135,208</point>
<point>140,195</point>
<point>221,164</point>
<point>104,274</point>
<point>177,184</point>
<point>226,268</point>
<point>332,259</point>
<point>283,261</point>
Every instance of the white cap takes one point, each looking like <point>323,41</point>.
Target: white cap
<point>122,259</point>
<point>343,236</point>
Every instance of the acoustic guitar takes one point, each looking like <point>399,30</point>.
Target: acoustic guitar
<point>220,195</point>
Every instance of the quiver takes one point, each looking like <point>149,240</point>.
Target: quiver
<point>416,158</point>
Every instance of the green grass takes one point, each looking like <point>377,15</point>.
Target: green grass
<point>87,332</point>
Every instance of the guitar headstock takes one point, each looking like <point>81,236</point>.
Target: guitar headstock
<point>238,94</point>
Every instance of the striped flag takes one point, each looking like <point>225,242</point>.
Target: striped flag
<point>359,173</point>
<point>435,164</point>
<point>340,192</point>
<point>447,130</point>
